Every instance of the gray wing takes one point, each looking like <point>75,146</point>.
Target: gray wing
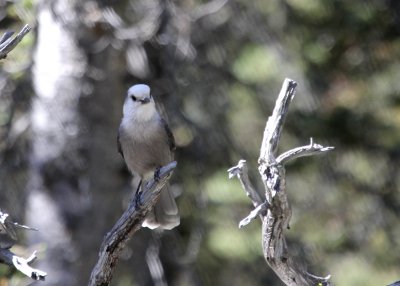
<point>170,136</point>
<point>119,145</point>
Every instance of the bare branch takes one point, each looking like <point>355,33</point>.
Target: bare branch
<point>240,171</point>
<point>303,151</point>
<point>6,36</point>
<point>273,129</point>
<point>22,264</point>
<point>7,44</point>
<point>261,210</point>
<point>130,221</point>
<point>8,238</point>
<point>275,213</point>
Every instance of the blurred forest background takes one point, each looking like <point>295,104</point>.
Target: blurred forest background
<point>216,68</point>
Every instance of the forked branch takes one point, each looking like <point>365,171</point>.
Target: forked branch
<point>274,210</point>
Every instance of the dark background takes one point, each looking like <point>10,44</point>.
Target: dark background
<point>215,68</point>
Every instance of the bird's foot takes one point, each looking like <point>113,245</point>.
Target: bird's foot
<point>157,174</point>
<point>138,194</point>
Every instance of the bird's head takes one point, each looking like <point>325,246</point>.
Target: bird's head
<point>139,103</point>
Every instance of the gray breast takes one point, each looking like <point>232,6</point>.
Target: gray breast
<point>145,147</point>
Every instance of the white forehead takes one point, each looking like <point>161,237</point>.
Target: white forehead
<point>139,90</point>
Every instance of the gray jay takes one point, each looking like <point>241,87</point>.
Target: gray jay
<point>146,143</point>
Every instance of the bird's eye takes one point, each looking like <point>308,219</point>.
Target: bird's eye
<point>133,98</point>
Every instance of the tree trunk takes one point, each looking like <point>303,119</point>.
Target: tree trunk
<point>57,188</point>
<point>74,166</point>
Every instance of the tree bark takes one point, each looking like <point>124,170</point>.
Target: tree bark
<point>275,211</point>
<point>130,222</point>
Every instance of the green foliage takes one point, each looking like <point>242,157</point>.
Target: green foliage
<point>256,64</point>
<point>228,242</point>
<point>350,269</point>
<point>220,191</point>
<point>315,10</point>
<point>245,123</point>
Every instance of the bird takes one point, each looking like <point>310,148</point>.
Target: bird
<point>146,143</point>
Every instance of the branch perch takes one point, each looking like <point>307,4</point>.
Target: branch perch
<point>7,44</point>
<point>275,211</point>
<point>130,221</point>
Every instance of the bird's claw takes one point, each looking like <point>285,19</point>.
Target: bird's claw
<point>138,194</point>
<point>138,198</point>
<point>157,174</point>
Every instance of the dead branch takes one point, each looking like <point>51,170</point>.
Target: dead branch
<point>22,264</point>
<point>7,228</point>
<point>130,221</point>
<point>7,44</point>
<point>275,211</point>
<point>8,238</point>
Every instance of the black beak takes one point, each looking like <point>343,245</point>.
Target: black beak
<point>145,100</point>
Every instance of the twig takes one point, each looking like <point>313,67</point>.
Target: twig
<point>261,210</point>
<point>240,171</point>
<point>130,221</point>
<point>6,36</point>
<point>8,238</point>
<point>7,44</point>
<point>22,264</point>
<point>276,212</point>
<point>303,151</point>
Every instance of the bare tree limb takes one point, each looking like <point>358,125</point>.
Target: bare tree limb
<point>7,44</point>
<point>303,151</point>
<point>273,129</point>
<point>130,221</point>
<point>240,171</point>
<point>275,212</point>
<point>8,238</point>
<point>22,264</point>
<point>261,210</point>
<point>7,228</point>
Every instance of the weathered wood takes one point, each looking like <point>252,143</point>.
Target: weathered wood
<point>22,264</point>
<point>8,237</point>
<point>130,221</point>
<point>7,44</point>
<point>275,212</point>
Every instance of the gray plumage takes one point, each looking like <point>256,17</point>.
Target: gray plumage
<point>146,143</point>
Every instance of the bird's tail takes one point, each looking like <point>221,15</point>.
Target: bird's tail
<point>165,213</point>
